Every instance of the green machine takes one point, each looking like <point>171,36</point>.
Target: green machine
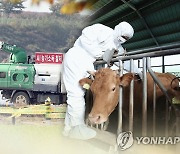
<point>20,76</point>
<point>16,76</point>
<point>24,83</point>
<point>18,55</point>
<point>17,73</point>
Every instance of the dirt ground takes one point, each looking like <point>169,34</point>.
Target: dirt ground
<point>36,135</point>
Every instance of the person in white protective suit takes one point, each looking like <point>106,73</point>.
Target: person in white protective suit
<point>94,41</point>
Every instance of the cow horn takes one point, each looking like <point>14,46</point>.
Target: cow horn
<point>92,74</point>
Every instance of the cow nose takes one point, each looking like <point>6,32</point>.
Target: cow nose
<point>95,118</point>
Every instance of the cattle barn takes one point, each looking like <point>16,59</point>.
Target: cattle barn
<point>155,47</point>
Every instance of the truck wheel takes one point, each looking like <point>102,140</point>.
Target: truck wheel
<point>20,99</point>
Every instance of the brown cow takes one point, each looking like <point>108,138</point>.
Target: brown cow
<point>105,90</point>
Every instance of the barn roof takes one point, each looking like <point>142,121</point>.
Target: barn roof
<point>156,22</point>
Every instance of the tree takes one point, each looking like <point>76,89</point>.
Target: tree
<point>11,6</point>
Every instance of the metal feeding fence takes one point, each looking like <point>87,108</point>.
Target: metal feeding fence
<point>171,105</point>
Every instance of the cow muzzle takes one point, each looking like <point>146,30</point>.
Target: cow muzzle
<point>97,119</point>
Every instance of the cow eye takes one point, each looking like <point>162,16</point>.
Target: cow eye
<point>114,89</point>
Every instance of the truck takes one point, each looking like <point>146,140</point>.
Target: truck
<point>24,81</point>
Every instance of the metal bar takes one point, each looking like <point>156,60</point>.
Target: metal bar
<point>163,47</point>
<point>163,65</point>
<point>102,125</point>
<point>120,100</point>
<point>154,109</point>
<point>97,126</point>
<point>144,105</point>
<point>153,54</point>
<point>158,82</point>
<point>149,50</point>
<point>143,20</point>
<point>131,98</point>
<point>139,66</point>
<point>177,129</point>
<point>139,56</point>
<point>177,125</point>
<point>166,118</point>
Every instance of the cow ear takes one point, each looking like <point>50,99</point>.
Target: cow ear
<point>126,79</point>
<point>85,83</point>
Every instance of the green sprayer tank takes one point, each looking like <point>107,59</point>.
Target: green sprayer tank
<point>18,55</point>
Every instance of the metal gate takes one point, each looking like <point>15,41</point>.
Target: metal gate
<point>169,107</point>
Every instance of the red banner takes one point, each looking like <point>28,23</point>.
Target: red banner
<point>50,58</point>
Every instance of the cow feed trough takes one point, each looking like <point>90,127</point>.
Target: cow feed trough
<point>170,104</point>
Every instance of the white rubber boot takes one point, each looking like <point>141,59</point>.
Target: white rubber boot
<point>82,132</point>
<point>66,131</point>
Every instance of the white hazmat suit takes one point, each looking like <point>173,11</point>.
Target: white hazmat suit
<point>78,60</point>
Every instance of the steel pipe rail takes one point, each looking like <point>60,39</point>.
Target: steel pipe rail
<point>144,99</point>
<point>131,99</point>
<point>120,114</point>
<point>154,109</point>
<point>166,117</point>
<point>157,81</point>
<point>140,56</point>
<point>140,51</point>
<point>163,47</point>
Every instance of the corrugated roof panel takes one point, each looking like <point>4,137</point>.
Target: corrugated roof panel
<point>153,17</point>
<point>118,10</point>
<point>143,35</point>
<point>100,4</point>
<point>161,16</point>
<point>130,11</point>
<point>158,31</point>
<point>134,2</point>
<point>166,29</point>
<point>173,37</point>
<point>156,6</point>
<point>130,18</point>
<point>137,24</point>
<point>139,44</point>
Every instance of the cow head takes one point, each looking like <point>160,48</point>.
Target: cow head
<point>105,90</point>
